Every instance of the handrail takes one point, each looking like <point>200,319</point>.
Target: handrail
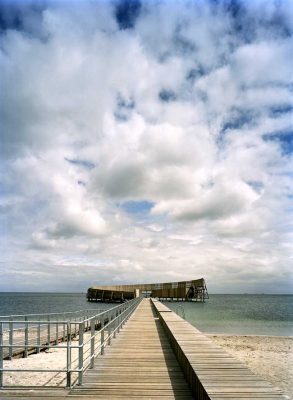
<point>45,314</point>
<point>102,326</point>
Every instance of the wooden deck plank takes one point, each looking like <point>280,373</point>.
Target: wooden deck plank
<point>140,363</point>
<point>19,394</point>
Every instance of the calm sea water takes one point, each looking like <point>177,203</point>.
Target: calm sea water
<point>42,303</point>
<point>239,314</point>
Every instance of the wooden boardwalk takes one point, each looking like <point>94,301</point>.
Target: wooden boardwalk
<point>211,372</point>
<point>140,364</point>
<point>153,357</point>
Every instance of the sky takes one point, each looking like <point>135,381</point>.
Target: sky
<point>146,141</point>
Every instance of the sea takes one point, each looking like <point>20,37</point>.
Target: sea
<point>221,314</point>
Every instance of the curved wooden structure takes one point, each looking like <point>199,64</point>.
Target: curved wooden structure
<point>193,290</point>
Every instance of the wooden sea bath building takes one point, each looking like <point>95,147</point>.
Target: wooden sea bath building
<point>193,290</point>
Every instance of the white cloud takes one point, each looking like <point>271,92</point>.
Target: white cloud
<point>222,200</point>
<point>187,115</point>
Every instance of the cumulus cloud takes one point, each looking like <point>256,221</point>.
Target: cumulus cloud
<point>141,137</point>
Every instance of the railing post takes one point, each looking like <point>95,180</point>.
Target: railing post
<point>49,331</point>
<point>80,352</point>
<point>122,316</point>
<point>92,324</point>
<point>1,355</point>
<point>25,337</point>
<point>57,333</point>
<point>63,328</point>
<point>38,337</point>
<point>10,338</point>
<point>103,335</point>
<point>126,314</point>
<point>68,361</point>
<point>109,329</point>
<point>114,324</point>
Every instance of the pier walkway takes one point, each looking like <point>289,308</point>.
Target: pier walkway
<point>158,355</point>
<point>139,364</point>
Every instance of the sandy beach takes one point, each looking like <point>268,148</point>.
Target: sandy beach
<point>53,358</point>
<point>270,357</point>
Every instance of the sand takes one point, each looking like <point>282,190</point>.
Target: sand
<point>53,358</point>
<point>270,357</point>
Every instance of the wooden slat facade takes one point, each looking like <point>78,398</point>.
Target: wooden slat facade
<point>184,290</point>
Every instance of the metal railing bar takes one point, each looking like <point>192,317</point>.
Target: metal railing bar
<point>20,344</point>
<point>42,370</point>
<point>31,370</point>
<point>21,328</point>
<point>47,346</point>
<point>45,314</point>
<point>45,322</point>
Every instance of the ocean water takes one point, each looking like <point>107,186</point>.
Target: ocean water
<point>227,314</point>
<point>240,314</point>
<point>43,303</point>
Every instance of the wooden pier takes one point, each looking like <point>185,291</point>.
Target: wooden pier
<point>158,355</point>
<point>140,364</point>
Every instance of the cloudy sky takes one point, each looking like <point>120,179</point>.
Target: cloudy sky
<point>146,141</point>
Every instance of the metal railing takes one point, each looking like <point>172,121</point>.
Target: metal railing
<point>67,314</point>
<point>17,331</point>
<point>101,327</point>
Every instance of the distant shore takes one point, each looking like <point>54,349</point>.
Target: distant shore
<point>270,357</point>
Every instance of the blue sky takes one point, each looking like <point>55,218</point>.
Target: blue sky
<point>146,141</point>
